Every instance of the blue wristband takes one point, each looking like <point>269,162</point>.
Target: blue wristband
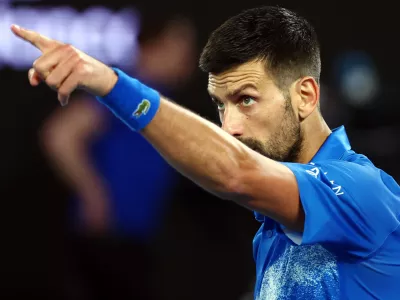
<point>131,101</point>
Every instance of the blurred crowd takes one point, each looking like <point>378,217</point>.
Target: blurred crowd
<point>121,223</point>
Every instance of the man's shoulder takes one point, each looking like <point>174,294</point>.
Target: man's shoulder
<point>352,174</point>
<point>349,156</point>
<point>359,174</point>
<point>350,164</point>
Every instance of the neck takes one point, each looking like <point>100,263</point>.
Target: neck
<point>315,132</point>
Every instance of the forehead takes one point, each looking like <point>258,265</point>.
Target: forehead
<point>253,73</point>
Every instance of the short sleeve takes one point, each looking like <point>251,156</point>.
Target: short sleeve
<point>350,208</point>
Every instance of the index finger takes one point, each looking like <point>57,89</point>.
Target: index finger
<point>41,42</point>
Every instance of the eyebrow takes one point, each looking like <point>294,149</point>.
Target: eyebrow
<point>241,88</point>
<point>232,93</point>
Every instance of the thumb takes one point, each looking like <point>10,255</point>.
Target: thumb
<point>34,77</point>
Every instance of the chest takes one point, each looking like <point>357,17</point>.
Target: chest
<point>285,269</point>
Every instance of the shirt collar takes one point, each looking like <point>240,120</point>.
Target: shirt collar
<point>334,146</point>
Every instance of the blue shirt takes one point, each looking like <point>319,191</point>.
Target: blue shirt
<point>139,180</point>
<point>350,247</point>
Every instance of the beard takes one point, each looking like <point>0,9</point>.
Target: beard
<point>285,145</point>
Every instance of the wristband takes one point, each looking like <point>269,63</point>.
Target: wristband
<point>131,101</point>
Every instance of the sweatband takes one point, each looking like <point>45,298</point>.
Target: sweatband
<point>131,101</point>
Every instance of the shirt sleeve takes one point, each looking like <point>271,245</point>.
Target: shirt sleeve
<point>350,209</point>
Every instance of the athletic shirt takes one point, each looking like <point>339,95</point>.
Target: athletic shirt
<point>350,247</point>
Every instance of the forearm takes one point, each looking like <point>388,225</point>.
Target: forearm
<point>197,148</point>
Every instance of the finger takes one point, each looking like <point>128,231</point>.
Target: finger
<point>61,72</point>
<point>67,87</point>
<point>34,77</point>
<point>46,64</point>
<point>41,42</point>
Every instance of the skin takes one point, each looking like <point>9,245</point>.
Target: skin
<point>252,109</point>
<point>281,125</point>
<point>212,157</point>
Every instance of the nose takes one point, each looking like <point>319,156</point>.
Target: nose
<point>232,123</point>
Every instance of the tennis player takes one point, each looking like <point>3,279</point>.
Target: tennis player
<point>329,218</point>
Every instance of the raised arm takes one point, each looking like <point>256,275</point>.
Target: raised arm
<point>194,146</point>
<point>224,166</point>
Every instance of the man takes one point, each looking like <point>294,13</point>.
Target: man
<point>115,213</point>
<point>330,218</point>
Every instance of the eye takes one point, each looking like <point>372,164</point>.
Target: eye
<point>220,105</point>
<point>248,101</point>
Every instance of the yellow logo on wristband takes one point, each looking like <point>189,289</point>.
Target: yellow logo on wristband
<point>142,108</point>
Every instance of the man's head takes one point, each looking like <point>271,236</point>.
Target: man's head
<point>167,53</point>
<point>264,67</point>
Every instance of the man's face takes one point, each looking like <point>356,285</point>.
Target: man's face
<point>255,111</point>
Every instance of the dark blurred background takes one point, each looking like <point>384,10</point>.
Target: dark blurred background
<point>61,241</point>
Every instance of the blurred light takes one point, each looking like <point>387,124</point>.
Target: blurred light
<point>100,32</point>
<point>116,32</point>
<point>358,78</point>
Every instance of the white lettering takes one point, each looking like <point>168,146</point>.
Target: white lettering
<point>337,189</point>
<point>313,172</point>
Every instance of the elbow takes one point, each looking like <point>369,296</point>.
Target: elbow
<point>49,139</point>
<point>53,139</point>
<point>236,187</point>
<point>239,176</point>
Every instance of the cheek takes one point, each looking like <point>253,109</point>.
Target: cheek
<point>267,120</point>
<point>257,122</point>
<point>265,113</point>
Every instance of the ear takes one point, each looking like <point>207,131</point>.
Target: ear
<point>308,92</point>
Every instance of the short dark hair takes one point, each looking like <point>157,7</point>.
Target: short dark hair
<point>286,41</point>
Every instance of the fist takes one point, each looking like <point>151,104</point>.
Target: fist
<point>64,68</point>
